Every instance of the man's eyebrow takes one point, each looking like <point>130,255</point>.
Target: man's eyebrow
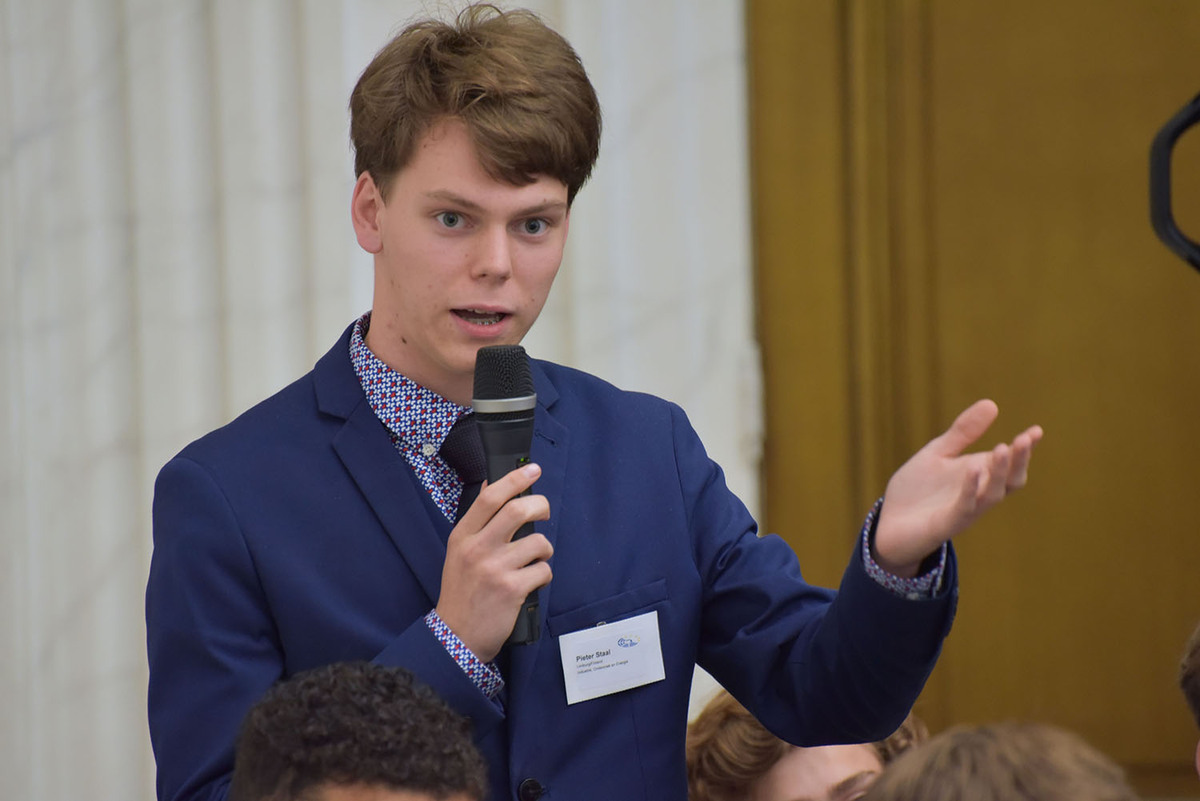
<point>446,196</point>
<point>851,783</point>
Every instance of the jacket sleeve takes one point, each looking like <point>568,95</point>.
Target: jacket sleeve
<point>816,667</point>
<point>212,642</point>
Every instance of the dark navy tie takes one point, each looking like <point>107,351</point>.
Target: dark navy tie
<point>463,451</point>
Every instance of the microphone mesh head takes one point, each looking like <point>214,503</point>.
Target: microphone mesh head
<point>502,371</point>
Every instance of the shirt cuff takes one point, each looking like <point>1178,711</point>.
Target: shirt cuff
<point>926,585</point>
<point>485,676</point>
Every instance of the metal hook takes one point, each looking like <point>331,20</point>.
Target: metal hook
<point>1160,183</point>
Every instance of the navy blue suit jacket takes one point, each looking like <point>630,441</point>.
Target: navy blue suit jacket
<point>296,536</point>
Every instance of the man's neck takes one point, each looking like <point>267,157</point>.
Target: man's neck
<point>457,391</point>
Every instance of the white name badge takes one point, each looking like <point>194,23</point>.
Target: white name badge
<point>611,657</point>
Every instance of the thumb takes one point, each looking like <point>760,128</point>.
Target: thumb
<point>967,427</point>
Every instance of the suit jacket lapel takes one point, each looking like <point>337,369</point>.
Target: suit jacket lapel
<point>366,450</point>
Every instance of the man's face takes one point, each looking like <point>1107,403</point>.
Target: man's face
<point>461,260</point>
<point>375,792</point>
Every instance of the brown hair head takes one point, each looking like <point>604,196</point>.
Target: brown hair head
<point>911,732</point>
<point>518,86</point>
<point>728,749</point>
<point>1000,762</point>
<point>1189,674</point>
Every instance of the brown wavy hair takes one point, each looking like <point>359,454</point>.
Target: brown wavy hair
<point>1189,674</point>
<point>519,87</point>
<point>1000,762</point>
<point>728,749</point>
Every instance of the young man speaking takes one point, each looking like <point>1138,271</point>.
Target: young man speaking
<point>324,524</point>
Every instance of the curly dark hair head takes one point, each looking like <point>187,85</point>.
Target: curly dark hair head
<point>354,723</point>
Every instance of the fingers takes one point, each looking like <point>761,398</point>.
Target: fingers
<point>994,482</point>
<point>1034,433</point>
<point>967,427</point>
<point>971,489</point>
<point>512,515</point>
<point>518,568</point>
<point>486,531</point>
<point>536,573</point>
<point>525,551</point>
<point>499,512</point>
<point>1022,452</point>
<point>1008,467</point>
<point>487,574</point>
<point>479,600</point>
<point>513,484</point>
<point>493,547</point>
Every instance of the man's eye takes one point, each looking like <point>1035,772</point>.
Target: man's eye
<point>534,226</point>
<point>449,219</point>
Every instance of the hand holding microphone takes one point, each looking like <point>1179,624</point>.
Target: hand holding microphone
<point>504,401</point>
<point>494,562</point>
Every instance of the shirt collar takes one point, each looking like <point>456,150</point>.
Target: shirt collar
<point>414,414</point>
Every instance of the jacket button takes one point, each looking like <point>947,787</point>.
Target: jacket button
<point>530,790</point>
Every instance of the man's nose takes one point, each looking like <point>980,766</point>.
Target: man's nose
<point>493,256</point>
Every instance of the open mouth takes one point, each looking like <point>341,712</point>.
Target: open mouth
<point>478,317</point>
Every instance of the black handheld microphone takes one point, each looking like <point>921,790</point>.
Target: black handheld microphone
<point>504,402</point>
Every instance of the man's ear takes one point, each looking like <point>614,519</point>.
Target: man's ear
<point>1198,759</point>
<point>366,204</point>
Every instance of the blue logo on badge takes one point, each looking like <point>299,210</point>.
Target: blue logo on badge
<point>628,642</point>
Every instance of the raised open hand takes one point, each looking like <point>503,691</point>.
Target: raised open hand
<point>940,491</point>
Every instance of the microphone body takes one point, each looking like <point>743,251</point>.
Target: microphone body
<point>503,403</point>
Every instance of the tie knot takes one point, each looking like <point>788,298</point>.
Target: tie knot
<point>463,450</point>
